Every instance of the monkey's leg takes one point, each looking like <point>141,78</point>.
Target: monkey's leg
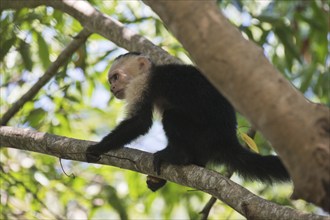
<point>171,155</point>
<point>176,127</point>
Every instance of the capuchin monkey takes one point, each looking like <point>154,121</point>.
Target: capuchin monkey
<point>200,124</point>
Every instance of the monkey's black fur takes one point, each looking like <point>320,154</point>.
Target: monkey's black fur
<point>199,122</point>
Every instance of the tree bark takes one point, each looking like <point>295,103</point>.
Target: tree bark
<point>298,129</point>
<point>240,199</point>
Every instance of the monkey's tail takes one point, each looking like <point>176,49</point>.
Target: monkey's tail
<point>253,166</point>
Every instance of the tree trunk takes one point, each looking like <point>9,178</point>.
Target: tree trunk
<point>298,129</point>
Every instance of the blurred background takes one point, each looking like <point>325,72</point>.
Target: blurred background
<point>77,103</point>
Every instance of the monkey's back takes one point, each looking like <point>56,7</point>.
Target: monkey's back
<point>202,117</point>
<point>185,88</point>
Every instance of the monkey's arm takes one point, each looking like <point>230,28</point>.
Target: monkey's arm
<point>129,129</point>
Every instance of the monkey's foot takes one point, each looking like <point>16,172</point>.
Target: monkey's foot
<point>91,155</point>
<point>155,183</point>
<point>92,158</point>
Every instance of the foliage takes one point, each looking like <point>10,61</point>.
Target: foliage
<point>292,33</point>
<point>294,36</point>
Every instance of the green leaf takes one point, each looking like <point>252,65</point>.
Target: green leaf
<point>72,98</point>
<point>5,47</point>
<point>307,75</point>
<point>273,19</point>
<point>35,117</point>
<point>24,50</point>
<point>322,87</point>
<point>285,35</point>
<point>249,141</point>
<point>43,51</point>
<point>263,37</point>
<point>247,31</point>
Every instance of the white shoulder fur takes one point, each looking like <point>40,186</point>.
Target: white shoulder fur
<point>134,91</point>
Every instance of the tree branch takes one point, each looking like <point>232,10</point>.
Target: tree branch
<point>99,23</point>
<point>51,71</point>
<point>299,130</point>
<point>200,178</point>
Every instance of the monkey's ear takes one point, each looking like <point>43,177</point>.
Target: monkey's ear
<point>144,63</point>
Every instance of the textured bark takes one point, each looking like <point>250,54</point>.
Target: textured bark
<point>240,199</point>
<point>298,129</point>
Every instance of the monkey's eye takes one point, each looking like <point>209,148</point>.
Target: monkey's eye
<point>114,78</point>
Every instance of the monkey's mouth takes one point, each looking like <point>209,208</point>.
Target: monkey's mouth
<point>119,94</point>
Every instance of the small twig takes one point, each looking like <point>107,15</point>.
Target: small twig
<point>71,175</point>
<point>51,71</point>
<point>207,208</point>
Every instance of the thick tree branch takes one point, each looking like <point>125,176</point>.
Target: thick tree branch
<point>51,71</point>
<point>299,130</point>
<point>200,178</point>
<point>97,22</point>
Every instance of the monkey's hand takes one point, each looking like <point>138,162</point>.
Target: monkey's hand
<point>92,155</point>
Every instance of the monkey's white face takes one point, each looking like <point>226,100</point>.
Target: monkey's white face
<point>123,71</point>
<point>119,76</point>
